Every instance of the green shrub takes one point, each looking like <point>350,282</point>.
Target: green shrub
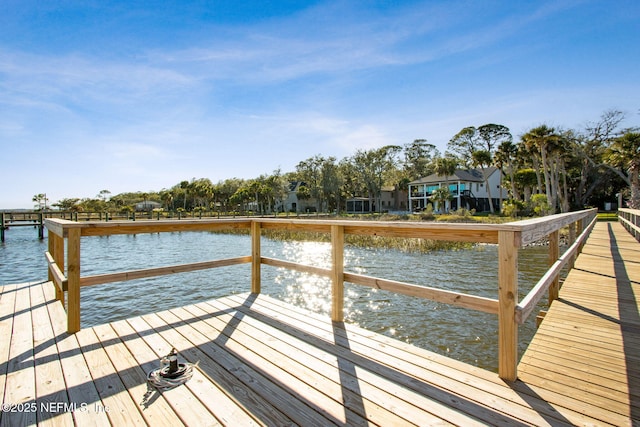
<point>512,208</point>
<point>427,213</point>
<point>463,212</point>
<point>539,205</point>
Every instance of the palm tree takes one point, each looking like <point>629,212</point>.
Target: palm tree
<point>167,198</point>
<point>505,158</point>
<point>441,195</point>
<point>184,186</point>
<point>541,142</point>
<point>446,166</point>
<point>41,200</point>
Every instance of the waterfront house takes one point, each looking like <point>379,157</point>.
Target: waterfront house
<point>392,199</point>
<point>292,203</point>
<point>467,186</point>
<point>147,205</point>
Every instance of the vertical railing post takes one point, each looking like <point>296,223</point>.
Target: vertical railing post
<point>572,240</point>
<point>255,257</point>
<point>580,228</point>
<point>554,254</point>
<point>41,226</point>
<point>73,278</point>
<point>52,251</point>
<point>508,245</point>
<point>337,273</point>
<point>56,249</point>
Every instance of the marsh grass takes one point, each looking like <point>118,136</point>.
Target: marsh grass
<point>416,245</point>
<point>375,242</point>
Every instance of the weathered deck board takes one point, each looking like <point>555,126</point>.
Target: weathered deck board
<point>588,345</point>
<point>260,361</point>
<point>20,386</point>
<point>47,363</point>
<point>182,400</point>
<point>317,364</point>
<point>81,389</point>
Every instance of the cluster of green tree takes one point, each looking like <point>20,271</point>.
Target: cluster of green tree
<point>570,168</point>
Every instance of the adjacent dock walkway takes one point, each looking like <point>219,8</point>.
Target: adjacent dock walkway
<point>586,354</point>
<point>263,362</point>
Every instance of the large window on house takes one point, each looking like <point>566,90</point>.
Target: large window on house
<point>431,188</point>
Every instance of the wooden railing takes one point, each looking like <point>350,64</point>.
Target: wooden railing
<point>510,237</point>
<point>630,219</point>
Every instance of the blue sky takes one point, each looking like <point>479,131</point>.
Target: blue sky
<point>139,95</point>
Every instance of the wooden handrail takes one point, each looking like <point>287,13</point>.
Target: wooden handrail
<point>630,219</point>
<point>301,268</point>
<point>99,279</point>
<point>510,237</point>
<point>58,276</point>
<point>536,229</point>
<point>530,301</point>
<point>487,305</point>
<point>61,227</point>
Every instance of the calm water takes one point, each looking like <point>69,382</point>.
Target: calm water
<point>465,335</point>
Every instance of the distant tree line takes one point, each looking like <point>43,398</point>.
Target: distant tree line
<point>568,168</point>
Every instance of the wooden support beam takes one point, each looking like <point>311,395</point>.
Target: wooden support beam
<point>540,318</point>
<point>554,254</point>
<point>40,226</point>
<point>579,229</point>
<point>73,277</point>
<point>57,244</point>
<point>51,250</point>
<point>255,257</point>
<point>572,239</point>
<point>508,244</point>
<point>337,273</point>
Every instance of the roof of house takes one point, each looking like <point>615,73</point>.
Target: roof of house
<point>466,175</point>
<point>295,185</point>
<point>149,203</point>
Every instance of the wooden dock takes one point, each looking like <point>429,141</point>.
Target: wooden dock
<point>260,361</point>
<point>8,219</point>
<point>586,354</point>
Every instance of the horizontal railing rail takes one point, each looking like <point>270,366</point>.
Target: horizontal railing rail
<point>510,237</point>
<point>57,275</point>
<point>630,219</point>
<point>531,300</point>
<point>487,305</point>
<point>123,276</point>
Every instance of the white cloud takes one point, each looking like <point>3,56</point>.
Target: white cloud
<point>31,78</point>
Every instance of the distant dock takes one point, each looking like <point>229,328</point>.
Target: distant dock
<point>37,219</point>
<point>21,219</point>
